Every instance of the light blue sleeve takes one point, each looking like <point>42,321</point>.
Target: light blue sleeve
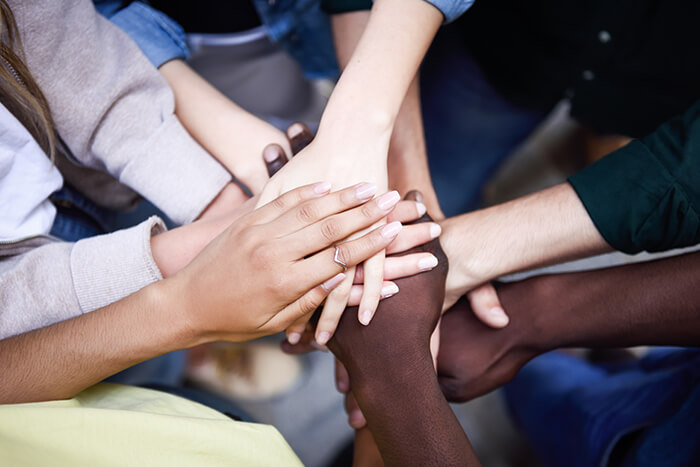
<point>452,9</point>
<point>160,38</point>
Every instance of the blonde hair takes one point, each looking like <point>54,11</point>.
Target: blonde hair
<point>19,93</point>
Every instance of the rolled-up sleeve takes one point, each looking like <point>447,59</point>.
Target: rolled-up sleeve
<point>451,9</point>
<point>646,195</point>
<point>158,36</point>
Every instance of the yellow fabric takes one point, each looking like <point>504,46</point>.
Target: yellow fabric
<point>115,425</point>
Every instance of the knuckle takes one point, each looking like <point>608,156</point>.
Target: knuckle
<point>330,230</point>
<point>368,210</point>
<point>345,253</point>
<point>279,203</point>
<point>307,213</point>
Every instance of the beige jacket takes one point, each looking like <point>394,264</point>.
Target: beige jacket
<point>116,115</point>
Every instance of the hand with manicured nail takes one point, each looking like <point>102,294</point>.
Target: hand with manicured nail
<point>401,263</point>
<point>276,264</point>
<point>389,364</point>
<point>319,160</point>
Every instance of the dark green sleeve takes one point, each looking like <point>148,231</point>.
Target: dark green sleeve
<point>646,195</point>
<point>344,6</point>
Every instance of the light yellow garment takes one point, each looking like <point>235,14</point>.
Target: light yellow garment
<point>115,425</point>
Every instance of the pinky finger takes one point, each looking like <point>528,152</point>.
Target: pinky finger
<point>304,306</point>
<point>389,289</point>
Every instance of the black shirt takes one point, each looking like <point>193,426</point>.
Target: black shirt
<point>211,16</point>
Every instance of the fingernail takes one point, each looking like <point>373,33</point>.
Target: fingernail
<point>365,317</point>
<point>435,230</point>
<point>421,209</point>
<point>426,264</point>
<point>389,290</point>
<point>333,282</point>
<point>498,316</point>
<point>365,191</point>
<point>323,338</point>
<point>271,153</point>
<point>293,338</point>
<point>342,386</point>
<point>388,200</point>
<point>322,187</point>
<point>295,130</point>
<point>390,231</point>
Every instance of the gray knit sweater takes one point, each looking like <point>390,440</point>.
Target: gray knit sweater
<point>116,115</point>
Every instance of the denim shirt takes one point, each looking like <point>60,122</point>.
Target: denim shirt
<point>160,38</point>
<point>299,26</point>
<point>452,9</point>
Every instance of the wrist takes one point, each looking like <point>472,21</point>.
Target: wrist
<point>178,313</point>
<point>538,315</point>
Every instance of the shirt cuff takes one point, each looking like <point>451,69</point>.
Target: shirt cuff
<point>452,9</point>
<point>159,37</point>
<point>636,203</point>
<point>175,173</point>
<point>107,268</point>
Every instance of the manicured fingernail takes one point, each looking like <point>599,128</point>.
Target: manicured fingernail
<point>388,200</point>
<point>365,317</point>
<point>435,231</point>
<point>295,130</point>
<point>421,209</point>
<point>333,282</point>
<point>293,338</point>
<point>390,231</point>
<point>271,153</point>
<point>320,347</point>
<point>426,264</point>
<point>498,317</point>
<point>365,191</point>
<point>322,188</point>
<point>323,338</point>
<point>389,290</point>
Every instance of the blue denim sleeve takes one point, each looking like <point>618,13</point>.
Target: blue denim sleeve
<point>159,37</point>
<point>452,9</point>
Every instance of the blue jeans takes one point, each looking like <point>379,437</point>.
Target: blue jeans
<point>469,128</point>
<point>644,413</point>
<point>77,217</point>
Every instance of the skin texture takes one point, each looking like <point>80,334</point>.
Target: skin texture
<point>232,135</point>
<point>356,127</point>
<point>654,303</point>
<point>407,160</point>
<point>547,227</point>
<point>388,375</point>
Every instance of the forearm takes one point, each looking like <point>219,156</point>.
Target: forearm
<point>61,360</point>
<point>383,64</point>
<point>407,160</point>
<point>408,416</point>
<point>408,156</point>
<point>235,137</point>
<point>547,227</point>
<point>654,303</point>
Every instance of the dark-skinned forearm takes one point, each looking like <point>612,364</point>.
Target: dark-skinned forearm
<point>407,414</point>
<point>654,303</point>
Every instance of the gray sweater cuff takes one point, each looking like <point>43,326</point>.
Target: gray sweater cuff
<point>107,268</point>
<point>175,173</point>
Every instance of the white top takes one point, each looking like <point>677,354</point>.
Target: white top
<point>27,178</point>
